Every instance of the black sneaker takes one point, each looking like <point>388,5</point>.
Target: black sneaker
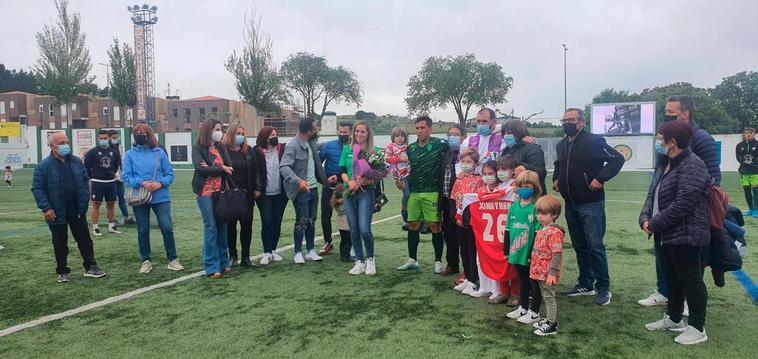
<point>603,297</point>
<point>94,272</point>
<point>578,291</point>
<point>547,328</point>
<point>405,227</point>
<point>63,278</point>
<point>129,220</point>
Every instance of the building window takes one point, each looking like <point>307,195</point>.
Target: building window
<point>13,104</point>
<point>2,107</point>
<point>51,110</point>
<point>105,111</point>
<point>63,111</point>
<point>187,114</point>
<point>73,107</point>
<point>214,109</point>
<point>175,113</point>
<point>3,139</point>
<point>202,112</point>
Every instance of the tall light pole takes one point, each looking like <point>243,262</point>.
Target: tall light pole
<point>565,103</point>
<point>144,18</point>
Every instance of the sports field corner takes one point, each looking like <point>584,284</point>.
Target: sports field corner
<point>318,310</point>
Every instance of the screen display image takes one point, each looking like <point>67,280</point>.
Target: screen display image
<point>623,119</point>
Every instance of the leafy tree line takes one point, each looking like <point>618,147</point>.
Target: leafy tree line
<point>725,108</point>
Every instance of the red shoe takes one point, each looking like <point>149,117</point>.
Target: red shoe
<point>326,249</point>
<point>216,275</point>
<point>460,278</point>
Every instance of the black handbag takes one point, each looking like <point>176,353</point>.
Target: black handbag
<point>381,199</point>
<point>230,203</point>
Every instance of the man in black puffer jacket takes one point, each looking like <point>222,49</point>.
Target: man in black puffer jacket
<point>585,162</point>
<point>675,213</point>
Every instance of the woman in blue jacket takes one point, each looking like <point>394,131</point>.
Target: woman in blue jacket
<point>146,165</point>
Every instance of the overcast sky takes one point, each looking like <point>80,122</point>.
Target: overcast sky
<point>620,44</point>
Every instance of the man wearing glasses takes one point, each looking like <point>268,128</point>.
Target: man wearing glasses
<point>585,162</point>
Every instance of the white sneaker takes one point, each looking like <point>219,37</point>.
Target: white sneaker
<point>529,318</point>
<point>370,266</point>
<point>516,313</point>
<point>276,257</point>
<point>461,286</point>
<point>654,299</point>
<point>438,268</point>
<point>146,267</point>
<point>312,256</point>
<point>690,336</point>
<point>266,259</point>
<point>479,293</point>
<point>666,324</point>
<point>494,295</point>
<point>470,288</point>
<point>358,268</point>
<point>96,232</point>
<point>175,265</point>
<point>686,311</point>
<point>299,258</point>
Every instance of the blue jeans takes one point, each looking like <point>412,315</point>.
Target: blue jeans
<point>121,200</point>
<point>306,205</point>
<point>163,215</point>
<point>271,209</point>
<point>586,224</point>
<point>215,245</point>
<point>359,208</point>
<point>660,280</point>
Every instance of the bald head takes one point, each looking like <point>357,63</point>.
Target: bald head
<point>55,140</point>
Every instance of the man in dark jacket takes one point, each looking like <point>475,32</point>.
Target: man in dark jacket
<point>585,162</point>
<point>330,153</point>
<point>455,135</point>
<point>747,156</point>
<point>61,189</point>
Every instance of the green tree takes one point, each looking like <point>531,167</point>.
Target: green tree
<point>341,85</point>
<point>738,96</point>
<point>304,73</point>
<point>708,112</point>
<point>17,80</point>
<point>254,71</point>
<point>460,81</point>
<point>64,64</point>
<point>123,87</point>
<point>610,95</point>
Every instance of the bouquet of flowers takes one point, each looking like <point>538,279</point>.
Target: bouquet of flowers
<point>367,166</point>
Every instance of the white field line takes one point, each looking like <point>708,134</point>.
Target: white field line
<point>127,295</point>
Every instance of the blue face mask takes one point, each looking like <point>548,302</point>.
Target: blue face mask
<point>115,142</point>
<point>483,130</point>
<point>509,140</point>
<point>454,142</point>
<point>240,139</point>
<point>64,150</point>
<point>525,193</point>
<point>104,143</point>
<point>660,149</point>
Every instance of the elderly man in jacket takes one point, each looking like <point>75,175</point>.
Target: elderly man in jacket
<point>301,172</point>
<point>585,162</point>
<point>61,189</point>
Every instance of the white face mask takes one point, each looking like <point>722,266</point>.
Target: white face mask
<point>216,136</point>
<point>489,179</point>
<point>503,175</point>
<point>467,167</point>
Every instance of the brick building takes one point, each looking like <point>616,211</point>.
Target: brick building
<point>186,115</point>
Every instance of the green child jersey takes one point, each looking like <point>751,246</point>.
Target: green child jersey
<point>426,164</point>
<point>522,226</point>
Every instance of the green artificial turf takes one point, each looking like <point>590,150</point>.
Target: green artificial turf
<point>319,311</point>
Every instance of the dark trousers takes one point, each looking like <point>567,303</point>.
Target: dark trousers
<point>80,230</point>
<point>345,244</point>
<point>586,225</point>
<point>450,232</point>
<point>467,245</point>
<point>684,280</point>
<point>271,208</point>
<point>246,234</point>
<point>528,287</point>
<point>326,212</point>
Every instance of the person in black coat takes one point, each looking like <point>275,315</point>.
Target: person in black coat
<point>584,163</point>
<point>269,191</point>
<point>675,215</point>
<point>245,166</point>
<point>528,156</point>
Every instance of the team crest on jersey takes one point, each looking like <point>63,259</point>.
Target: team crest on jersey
<point>748,159</point>
<point>531,218</point>
<point>105,162</point>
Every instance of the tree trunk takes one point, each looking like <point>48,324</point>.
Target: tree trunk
<point>68,114</point>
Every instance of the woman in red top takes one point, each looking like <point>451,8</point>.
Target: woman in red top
<point>211,162</point>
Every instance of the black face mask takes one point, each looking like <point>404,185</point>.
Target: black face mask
<point>668,118</point>
<point>140,139</point>
<point>273,141</point>
<point>344,138</point>
<point>570,129</point>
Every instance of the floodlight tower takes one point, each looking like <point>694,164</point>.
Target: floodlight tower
<point>144,18</point>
